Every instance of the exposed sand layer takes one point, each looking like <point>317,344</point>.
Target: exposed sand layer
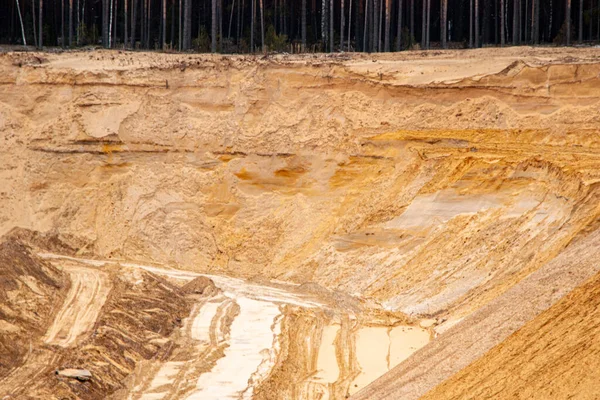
<point>337,199</point>
<point>87,294</point>
<point>472,337</point>
<point>231,344</point>
<point>555,356</point>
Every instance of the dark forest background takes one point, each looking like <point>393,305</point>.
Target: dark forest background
<point>242,26</point>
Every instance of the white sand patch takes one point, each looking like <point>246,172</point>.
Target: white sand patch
<point>201,324</point>
<point>379,349</point>
<point>405,340</point>
<point>328,370</point>
<point>253,333</point>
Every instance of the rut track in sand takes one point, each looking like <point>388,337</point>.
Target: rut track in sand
<point>233,341</point>
<point>88,292</point>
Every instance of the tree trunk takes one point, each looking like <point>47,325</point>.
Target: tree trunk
<point>502,40</point>
<point>282,19</point>
<point>104,23</point>
<point>40,28</point>
<point>525,24</point>
<point>424,25</point>
<point>163,24</point>
<point>115,13</point>
<point>580,21</point>
<point>21,21</point>
<point>399,37</point>
<point>35,36</point>
<point>591,26</point>
<point>380,23</point>
<point>349,23</point>
<point>172,34</point>
<point>262,27</point>
<point>62,23</point>
<point>568,20</point>
<point>515,30</point>
<point>110,20</point>
<point>143,23</point>
<point>304,25</point>
<point>133,21</point>
<point>187,25</point>
<point>241,9</point>
<point>213,31</point>
<point>148,24</point>
<point>179,26</point>
<point>342,22</point>
<point>412,23</point>
<point>70,23</point>
<point>444,23</point>
<point>125,31</point>
<point>536,22</point>
<point>375,25</point>
<point>386,42</point>
<point>230,20</point>
<point>220,22</point>
<point>471,23</point>
<point>324,24</point>
<point>239,13</point>
<point>427,31</point>
<point>331,27</point>
<point>477,41</point>
<point>252,14</point>
<point>365,30</point>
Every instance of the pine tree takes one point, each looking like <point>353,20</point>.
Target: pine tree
<point>477,23</point>
<point>516,19</point>
<point>40,29</point>
<point>134,22</point>
<point>342,22</point>
<point>125,38</point>
<point>21,21</point>
<point>163,42</point>
<point>213,46</point>
<point>568,22</point>
<point>70,23</point>
<point>187,25</point>
<point>262,27</point>
<point>303,25</point>
<point>580,21</point>
<point>399,36</point>
<point>388,5</point>
<point>349,23</point>
<point>502,39</point>
<point>443,23</point>
<point>412,22</point>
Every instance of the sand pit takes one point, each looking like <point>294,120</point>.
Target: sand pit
<point>335,201</point>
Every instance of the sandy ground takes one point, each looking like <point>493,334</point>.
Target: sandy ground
<point>88,292</point>
<point>232,340</point>
<point>430,184</point>
<point>470,339</point>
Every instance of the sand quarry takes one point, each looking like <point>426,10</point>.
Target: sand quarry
<point>398,226</point>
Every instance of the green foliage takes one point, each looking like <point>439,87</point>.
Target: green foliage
<point>275,42</point>
<point>202,42</point>
<point>561,36</point>
<point>406,41</point>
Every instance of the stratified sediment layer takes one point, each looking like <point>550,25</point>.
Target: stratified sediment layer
<point>385,189</point>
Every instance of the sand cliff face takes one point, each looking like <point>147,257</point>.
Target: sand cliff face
<point>427,184</point>
<point>358,174</point>
<point>363,175</point>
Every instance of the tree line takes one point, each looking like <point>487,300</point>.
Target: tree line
<point>243,26</point>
